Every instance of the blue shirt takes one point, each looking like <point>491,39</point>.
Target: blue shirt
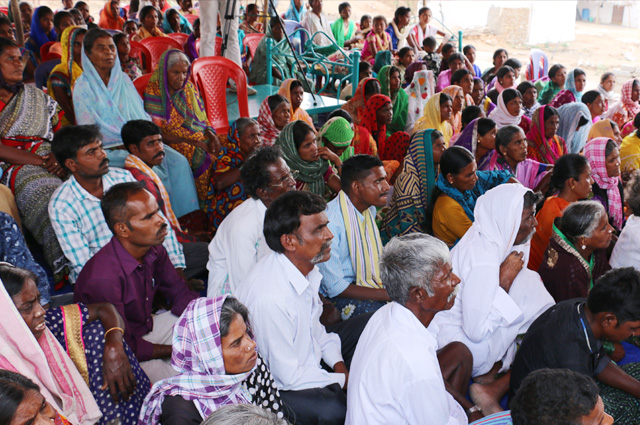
<point>338,273</point>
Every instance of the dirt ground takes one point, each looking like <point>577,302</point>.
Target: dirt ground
<point>596,48</point>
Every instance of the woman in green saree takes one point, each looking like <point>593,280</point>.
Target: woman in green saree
<point>390,83</point>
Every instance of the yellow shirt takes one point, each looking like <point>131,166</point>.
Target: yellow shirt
<point>449,222</point>
<point>630,153</point>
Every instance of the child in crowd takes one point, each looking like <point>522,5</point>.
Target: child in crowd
<point>431,58</point>
<point>130,65</point>
<point>130,28</point>
<point>470,52</point>
<point>190,45</point>
<point>406,56</point>
<point>365,26</point>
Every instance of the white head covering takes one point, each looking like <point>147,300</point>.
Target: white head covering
<point>502,117</point>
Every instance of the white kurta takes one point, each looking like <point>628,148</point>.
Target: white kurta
<point>314,23</point>
<point>285,310</point>
<point>626,253</point>
<point>395,375</point>
<point>484,316</point>
<point>238,245</point>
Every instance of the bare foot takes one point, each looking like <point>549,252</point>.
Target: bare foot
<point>490,376</point>
<point>486,397</point>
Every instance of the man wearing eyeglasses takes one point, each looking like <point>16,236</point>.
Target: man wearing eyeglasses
<point>239,242</point>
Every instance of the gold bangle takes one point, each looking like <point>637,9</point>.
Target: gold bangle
<point>113,329</point>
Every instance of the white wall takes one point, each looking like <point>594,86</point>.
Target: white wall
<point>552,21</point>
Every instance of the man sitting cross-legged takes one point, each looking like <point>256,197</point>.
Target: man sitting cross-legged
<point>351,277</point>
<point>128,272</point>
<point>239,242</point>
<point>397,377</point>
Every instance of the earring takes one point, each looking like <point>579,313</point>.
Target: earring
<point>583,245</point>
<point>572,186</point>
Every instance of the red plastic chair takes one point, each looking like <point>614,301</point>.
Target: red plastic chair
<point>218,48</point>
<point>141,83</point>
<point>179,37</point>
<point>158,45</point>
<point>198,47</point>
<point>4,10</point>
<point>191,18</point>
<point>251,41</point>
<point>45,54</point>
<point>211,75</point>
<point>140,51</point>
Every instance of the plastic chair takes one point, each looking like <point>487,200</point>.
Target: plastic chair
<point>45,54</point>
<point>179,37</point>
<point>4,10</point>
<point>538,66</point>
<point>211,75</point>
<point>251,41</point>
<point>198,47</point>
<point>41,74</point>
<point>300,38</point>
<point>191,18</point>
<point>158,45</point>
<point>140,51</point>
<point>141,83</point>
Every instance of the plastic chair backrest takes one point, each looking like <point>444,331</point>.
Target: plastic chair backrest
<point>218,45</point>
<point>251,41</point>
<point>198,46</point>
<point>41,74</point>
<point>45,55</point>
<point>4,10</point>
<point>191,18</point>
<point>140,51</point>
<point>141,83</point>
<point>538,66</point>
<point>158,45</point>
<point>211,75</point>
<point>179,37</point>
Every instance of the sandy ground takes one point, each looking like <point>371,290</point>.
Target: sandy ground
<point>596,48</point>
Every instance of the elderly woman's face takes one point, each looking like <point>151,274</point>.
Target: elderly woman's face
<point>281,115</point>
<point>516,149</point>
<point>177,75</point>
<point>27,302</point>
<point>238,349</point>
<point>466,179</point>
<point>250,139</point>
<point>551,126</point>
<point>601,236</point>
<point>11,65</point>
<point>103,53</point>
<point>26,11</point>
<point>33,410</point>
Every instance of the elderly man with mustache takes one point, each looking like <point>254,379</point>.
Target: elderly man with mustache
<point>281,293</point>
<point>351,277</point>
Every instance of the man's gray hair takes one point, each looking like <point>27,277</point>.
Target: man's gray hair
<point>245,414</point>
<point>411,260</point>
<point>177,57</point>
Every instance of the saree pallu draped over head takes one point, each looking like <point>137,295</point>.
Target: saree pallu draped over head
<point>432,119</point>
<point>571,115</point>
<point>539,148</point>
<point>469,140</point>
<point>626,109</point>
<point>197,355</point>
<point>37,36</point>
<point>108,20</point>
<point>185,25</point>
<point>356,105</point>
<point>408,209</point>
<point>311,173</point>
<point>456,117</point>
<point>268,130</point>
<point>66,73</point>
<point>298,114</point>
<point>45,362</point>
<point>399,100</point>
<point>389,148</point>
<point>595,151</point>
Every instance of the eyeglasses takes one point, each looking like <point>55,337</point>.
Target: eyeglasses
<point>288,180</point>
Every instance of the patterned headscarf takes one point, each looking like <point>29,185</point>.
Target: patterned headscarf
<point>268,130</point>
<point>37,34</point>
<point>456,117</point>
<point>632,107</point>
<point>311,173</point>
<point>197,356</point>
<point>602,128</point>
<point>186,101</point>
<point>338,131</point>
<point>412,69</point>
<point>547,151</point>
<point>370,121</point>
<point>355,106</point>
<point>595,151</point>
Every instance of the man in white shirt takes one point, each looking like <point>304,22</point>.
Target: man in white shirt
<point>396,376</point>
<point>281,293</point>
<point>315,21</point>
<point>239,243</point>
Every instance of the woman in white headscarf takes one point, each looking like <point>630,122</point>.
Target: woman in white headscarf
<point>575,123</point>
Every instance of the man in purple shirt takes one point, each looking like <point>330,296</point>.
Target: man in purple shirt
<point>128,272</point>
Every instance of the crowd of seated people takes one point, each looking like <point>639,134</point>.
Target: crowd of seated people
<point>447,246</point>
